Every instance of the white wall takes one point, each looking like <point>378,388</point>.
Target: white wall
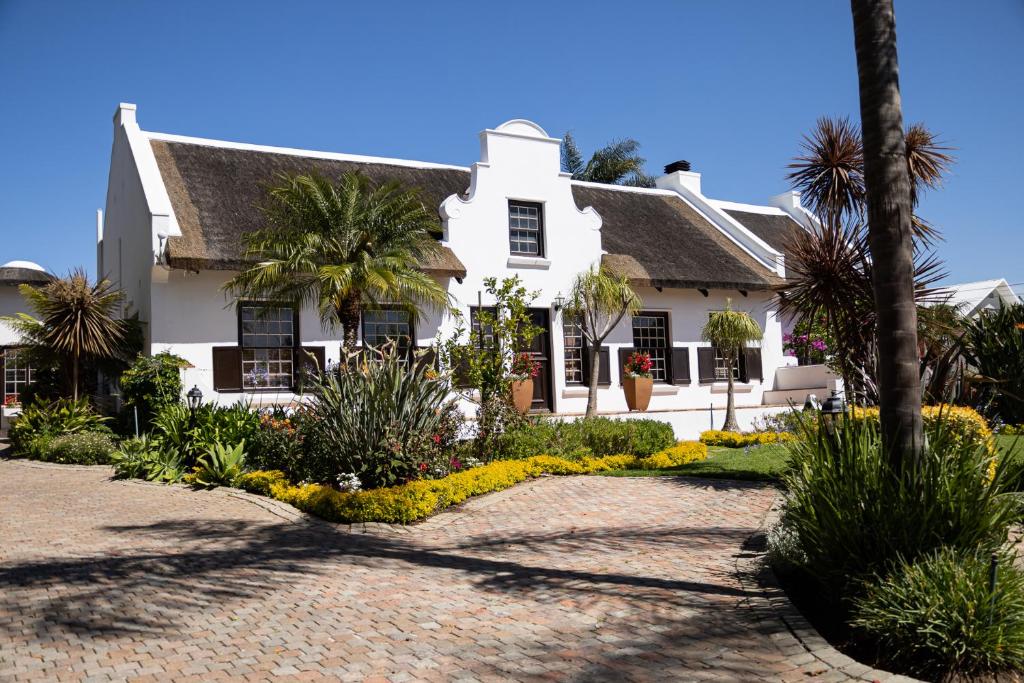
<point>11,303</point>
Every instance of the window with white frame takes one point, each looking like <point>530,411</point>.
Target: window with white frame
<point>525,228</point>
<point>721,365</point>
<point>268,336</point>
<point>572,334</point>
<point>17,372</point>
<point>384,325</point>
<point>650,335</point>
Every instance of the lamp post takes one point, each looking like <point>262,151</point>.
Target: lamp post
<point>831,409</point>
<point>195,401</point>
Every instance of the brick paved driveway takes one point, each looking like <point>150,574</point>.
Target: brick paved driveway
<point>572,578</point>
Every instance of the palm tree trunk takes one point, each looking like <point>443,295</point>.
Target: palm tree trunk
<point>74,376</point>
<point>350,315</point>
<point>730,402</point>
<point>890,240</point>
<point>595,373</point>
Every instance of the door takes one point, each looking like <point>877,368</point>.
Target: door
<point>540,349</point>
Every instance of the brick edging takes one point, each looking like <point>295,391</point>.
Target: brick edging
<point>756,575</point>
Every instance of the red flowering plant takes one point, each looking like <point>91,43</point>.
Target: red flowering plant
<point>11,400</point>
<point>524,366</point>
<point>638,364</point>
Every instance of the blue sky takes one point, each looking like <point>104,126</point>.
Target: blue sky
<point>730,86</point>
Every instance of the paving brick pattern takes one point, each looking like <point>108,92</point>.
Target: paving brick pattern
<point>571,578</point>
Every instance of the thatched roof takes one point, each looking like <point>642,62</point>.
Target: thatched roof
<point>658,240</point>
<point>17,275</point>
<point>777,230</point>
<point>216,193</point>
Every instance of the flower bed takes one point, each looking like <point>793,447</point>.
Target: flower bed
<point>419,499</point>
<point>717,437</point>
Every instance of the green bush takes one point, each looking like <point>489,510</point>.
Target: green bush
<point>939,617</point>
<point>143,458</point>
<point>219,466</point>
<point>80,448</point>
<point>152,383</point>
<point>594,436</point>
<point>375,419</point>
<point>994,344</point>
<point>853,516</point>
<point>175,429</point>
<point>52,419</point>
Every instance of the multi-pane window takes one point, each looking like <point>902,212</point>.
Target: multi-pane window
<point>383,325</point>
<point>268,336</point>
<point>722,367</point>
<point>650,335</point>
<point>572,333</point>
<point>525,229</point>
<point>17,372</point>
<point>484,338</point>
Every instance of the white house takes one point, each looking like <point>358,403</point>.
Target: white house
<point>177,208</point>
<point>16,372</point>
<point>972,298</point>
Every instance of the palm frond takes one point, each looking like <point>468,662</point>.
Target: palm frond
<point>830,172</point>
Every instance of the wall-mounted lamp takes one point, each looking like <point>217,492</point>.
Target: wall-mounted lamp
<point>559,302</point>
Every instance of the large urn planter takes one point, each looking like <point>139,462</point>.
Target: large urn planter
<point>522,395</point>
<point>638,392</point>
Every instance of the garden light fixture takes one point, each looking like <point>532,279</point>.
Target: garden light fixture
<point>831,409</point>
<point>559,302</point>
<point>195,399</point>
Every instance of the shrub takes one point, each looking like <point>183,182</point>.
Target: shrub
<point>715,437</point>
<point>143,458</point>
<point>418,499</point>
<point>594,436</point>
<point>680,454</point>
<point>994,344</point>
<point>219,466</point>
<point>175,429</point>
<point>961,425</point>
<point>852,515</point>
<point>938,615</point>
<point>376,418</point>
<point>52,419</point>
<point>80,448</point>
<point>152,383</point>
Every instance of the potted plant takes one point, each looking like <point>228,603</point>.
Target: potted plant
<point>637,382</point>
<point>524,369</point>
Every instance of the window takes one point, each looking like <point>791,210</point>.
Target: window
<point>572,333</point>
<point>650,335</point>
<point>383,325</point>
<point>268,338</point>
<point>722,369</point>
<point>487,338</point>
<point>17,372</point>
<point>525,229</point>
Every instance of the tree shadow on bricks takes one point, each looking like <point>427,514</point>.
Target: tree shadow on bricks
<point>211,567</point>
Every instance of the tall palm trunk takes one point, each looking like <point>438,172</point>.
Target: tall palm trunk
<point>730,401</point>
<point>887,185</point>
<point>350,315</point>
<point>595,375</point>
<point>74,376</point>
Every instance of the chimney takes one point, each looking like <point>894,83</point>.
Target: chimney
<point>679,178</point>
<point>681,165</point>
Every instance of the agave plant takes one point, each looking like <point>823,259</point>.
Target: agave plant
<point>220,466</point>
<point>146,458</point>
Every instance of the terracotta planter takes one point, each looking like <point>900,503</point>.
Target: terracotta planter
<point>522,395</point>
<point>638,392</point>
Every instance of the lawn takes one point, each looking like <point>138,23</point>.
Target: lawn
<point>761,463</point>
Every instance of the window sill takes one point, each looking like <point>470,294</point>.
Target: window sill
<point>528,262</point>
<point>723,387</point>
<point>664,390</point>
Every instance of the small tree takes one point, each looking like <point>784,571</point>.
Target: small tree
<point>151,383</point>
<point>729,331</point>
<point>482,358</point>
<point>76,321</point>
<point>599,300</point>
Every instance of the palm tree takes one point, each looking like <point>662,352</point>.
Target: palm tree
<point>76,321</point>
<point>889,196</point>
<point>729,331</point>
<point>599,300</point>
<point>617,163</point>
<point>341,247</point>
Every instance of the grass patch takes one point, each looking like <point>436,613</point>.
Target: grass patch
<point>761,463</point>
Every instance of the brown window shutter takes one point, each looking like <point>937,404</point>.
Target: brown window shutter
<point>751,365</point>
<point>460,373</point>
<point>312,363</point>
<point>426,357</point>
<point>604,369</point>
<point>227,368</point>
<point>623,355</point>
<point>705,364</point>
<point>680,365</point>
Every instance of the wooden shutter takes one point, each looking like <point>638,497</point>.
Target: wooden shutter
<point>680,365</point>
<point>604,368</point>
<point>460,373</point>
<point>426,357</point>
<point>311,363</point>
<point>705,364</point>
<point>227,368</point>
<point>750,365</point>
<point>623,355</point>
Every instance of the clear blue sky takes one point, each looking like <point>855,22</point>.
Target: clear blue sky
<point>731,86</point>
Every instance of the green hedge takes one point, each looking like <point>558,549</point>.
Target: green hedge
<point>593,437</point>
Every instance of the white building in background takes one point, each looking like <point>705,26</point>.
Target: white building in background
<point>973,298</point>
<point>177,208</point>
<point>15,372</point>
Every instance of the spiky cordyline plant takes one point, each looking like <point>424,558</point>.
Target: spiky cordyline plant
<point>340,247</point>
<point>75,320</point>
